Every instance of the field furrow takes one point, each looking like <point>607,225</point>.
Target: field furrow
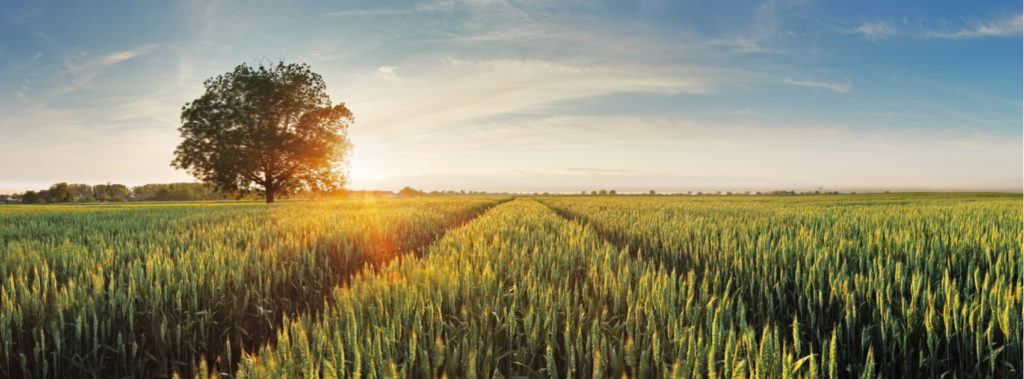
<point>523,292</point>
<point>149,290</point>
<point>921,287</point>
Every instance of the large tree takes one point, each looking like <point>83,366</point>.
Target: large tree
<point>265,129</point>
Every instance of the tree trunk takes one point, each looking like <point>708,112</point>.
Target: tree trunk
<point>268,186</point>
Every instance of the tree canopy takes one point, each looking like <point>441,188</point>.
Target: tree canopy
<point>30,197</point>
<point>266,129</point>
<point>59,193</point>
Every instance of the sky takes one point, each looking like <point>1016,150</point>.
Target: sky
<point>543,95</point>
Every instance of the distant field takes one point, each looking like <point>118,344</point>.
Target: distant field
<point>583,286</point>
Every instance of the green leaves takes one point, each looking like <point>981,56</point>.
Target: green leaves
<point>269,128</point>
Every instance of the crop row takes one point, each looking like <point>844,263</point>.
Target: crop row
<point>149,290</point>
<point>924,285</point>
<point>521,291</point>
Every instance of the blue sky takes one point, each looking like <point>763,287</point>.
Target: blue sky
<point>542,95</point>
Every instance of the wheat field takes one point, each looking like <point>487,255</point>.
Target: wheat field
<point>901,285</point>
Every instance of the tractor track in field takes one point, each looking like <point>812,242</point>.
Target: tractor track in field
<point>644,250</point>
<point>420,250</point>
<point>221,367</point>
<point>636,251</point>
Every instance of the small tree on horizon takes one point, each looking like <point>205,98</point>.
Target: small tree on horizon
<point>59,193</point>
<point>30,197</point>
<point>409,191</point>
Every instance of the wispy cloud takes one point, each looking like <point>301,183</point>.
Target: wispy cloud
<point>1005,26</point>
<point>423,7</point>
<point>743,45</point>
<point>874,31</point>
<point>121,56</point>
<point>460,91</point>
<point>760,31</point>
<point>1008,26</point>
<point>22,11</point>
<point>368,12</point>
<point>83,70</point>
<point>843,87</point>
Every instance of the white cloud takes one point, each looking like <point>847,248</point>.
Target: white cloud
<point>388,73</point>
<point>874,31</point>
<point>843,87</point>
<point>1008,26</point>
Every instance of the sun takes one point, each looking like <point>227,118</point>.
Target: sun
<point>364,169</point>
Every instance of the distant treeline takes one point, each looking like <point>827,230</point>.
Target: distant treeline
<point>84,193</point>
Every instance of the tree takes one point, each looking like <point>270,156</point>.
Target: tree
<point>268,129</point>
<point>59,193</point>
<point>99,192</point>
<point>183,193</point>
<point>81,192</point>
<point>163,194</point>
<point>117,192</point>
<point>409,191</point>
<point>30,197</point>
